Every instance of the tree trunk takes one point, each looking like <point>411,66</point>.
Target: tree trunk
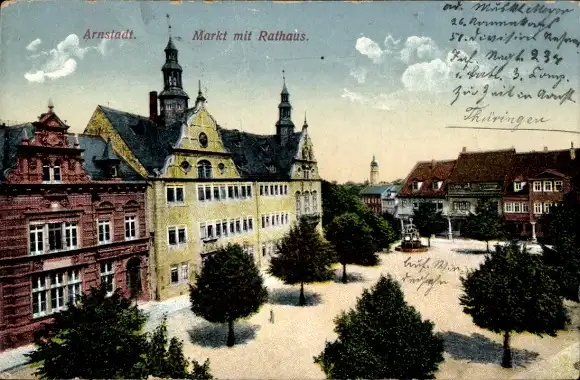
<point>487,246</point>
<point>231,336</point>
<point>302,300</point>
<point>344,279</point>
<point>507,351</point>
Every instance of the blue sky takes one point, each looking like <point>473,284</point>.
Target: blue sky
<point>383,86</point>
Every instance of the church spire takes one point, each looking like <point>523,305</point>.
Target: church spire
<point>284,125</point>
<point>200,97</point>
<point>305,125</point>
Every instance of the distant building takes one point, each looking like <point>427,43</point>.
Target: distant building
<point>381,198</point>
<point>374,172</point>
<point>426,182</point>
<point>73,216</point>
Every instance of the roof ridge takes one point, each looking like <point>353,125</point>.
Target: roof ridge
<point>123,112</point>
<point>441,161</point>
<point>490,151</point>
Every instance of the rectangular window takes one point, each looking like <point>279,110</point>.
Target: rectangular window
<point>210,231</point>
<point>181,235</point>
<point>216,193</point>
<point>548,186</point>
<point>547,206</point>
<point>230,192</point>
<point>250,224</point>
<point>276,190</point>
<point>525,207</point>
<point>176,235</point>
<point>174,194</point>
<point>236,192</point>
<point>537,186</point>
<point>232,227</point>
<point>243,191</point>
<point>537,207</point>
<point>57,288</point>
<point>238,226</point>
<point>223,194</point>
<point>518,186</point>
<point>263,221</point>
<point>517,207</point>
<point>39,307</point>
<point>245,225</point>
<point>71,235</point>
<point>130,227</point>
<point>266,190</point>
<point>261,190</point>
<point>202,231</point>
<point>184,272</point>
<point>558,186</point>
<point>74,285</point>
<point>174,274</point>
<point>267,220</point>
<point>200,193</point>
<point>509,207</point>
<point>51,293</point>
<point>108,276</point>
<point>55,242</point>
<point>218,229</point>
<point>36,239</point>
<point>207,190</point>
<point>104,231</point>
<point>249,190</point>
<point>225,227</point>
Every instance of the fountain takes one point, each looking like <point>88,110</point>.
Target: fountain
<point>411,241</point>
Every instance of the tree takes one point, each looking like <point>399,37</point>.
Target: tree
<point>394,225</point>
<point>428,221</point>
<point>229,287</point>
<point>303,256</point>
<point>383,233</point>
<point>170,362</point>
<point>513,292</point>
<point>352,240</point>
<point>562,228</point>
<point>100,337</point>
<point>486,224</point>
<point>383,337</point>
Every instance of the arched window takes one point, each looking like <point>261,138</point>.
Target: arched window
<point>298,205</point>
<point>204,169</point>
<point>306,202</point>
<point>314,201</point>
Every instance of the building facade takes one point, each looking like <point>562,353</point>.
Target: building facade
<point>537,182</point>
<point>381,198</point>
<point>477,176</point>
<point>427,182</point>
<point>210,185</point>
<point>72,215</point>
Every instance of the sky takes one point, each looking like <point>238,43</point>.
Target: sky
<point>372,78</point>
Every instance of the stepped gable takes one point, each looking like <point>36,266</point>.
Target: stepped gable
<point>261,156</point>
<point>428,172</point>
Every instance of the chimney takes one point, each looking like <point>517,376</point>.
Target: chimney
<point>464,150</point>
<point>545,149</point>
<point>153,105</point>
<point>572,151</point>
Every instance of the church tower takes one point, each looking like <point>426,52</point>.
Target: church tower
<point>374,171</point>
<point>284,125</point>
<point>172,100</point>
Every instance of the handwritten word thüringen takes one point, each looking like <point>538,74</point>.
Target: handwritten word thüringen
<point>112,35</point>
<point>473,114</point>
<point>263,35</point>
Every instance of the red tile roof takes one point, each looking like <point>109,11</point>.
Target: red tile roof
<point>489,166</point>
<point>428,172</point>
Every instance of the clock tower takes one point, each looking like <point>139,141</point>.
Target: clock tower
<point>172,100</point>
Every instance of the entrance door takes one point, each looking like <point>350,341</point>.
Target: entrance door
<point>134,277</point>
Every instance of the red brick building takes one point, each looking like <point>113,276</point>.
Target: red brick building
<point>537,181</point>
<point>72,215</point>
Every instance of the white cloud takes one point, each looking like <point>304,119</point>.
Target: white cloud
<point>391,45</point>
<point>427,76</point>
<point>61,61</point>
<point>353,96</point>
<point>370,48</point>
<point>419,49</point>
<point>359,74</point>
<point>33,45</point>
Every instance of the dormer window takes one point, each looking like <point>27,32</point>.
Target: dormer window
<point>51,174</point>
<point>417,185</point>
<point>436,185</point>
<point>518,186</point>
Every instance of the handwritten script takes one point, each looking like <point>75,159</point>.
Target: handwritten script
<point>427,273</point>
<point>507,52</point>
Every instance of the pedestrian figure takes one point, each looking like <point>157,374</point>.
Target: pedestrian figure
<point>271,316</point>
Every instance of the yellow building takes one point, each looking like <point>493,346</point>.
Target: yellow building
<point>210,186</point>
